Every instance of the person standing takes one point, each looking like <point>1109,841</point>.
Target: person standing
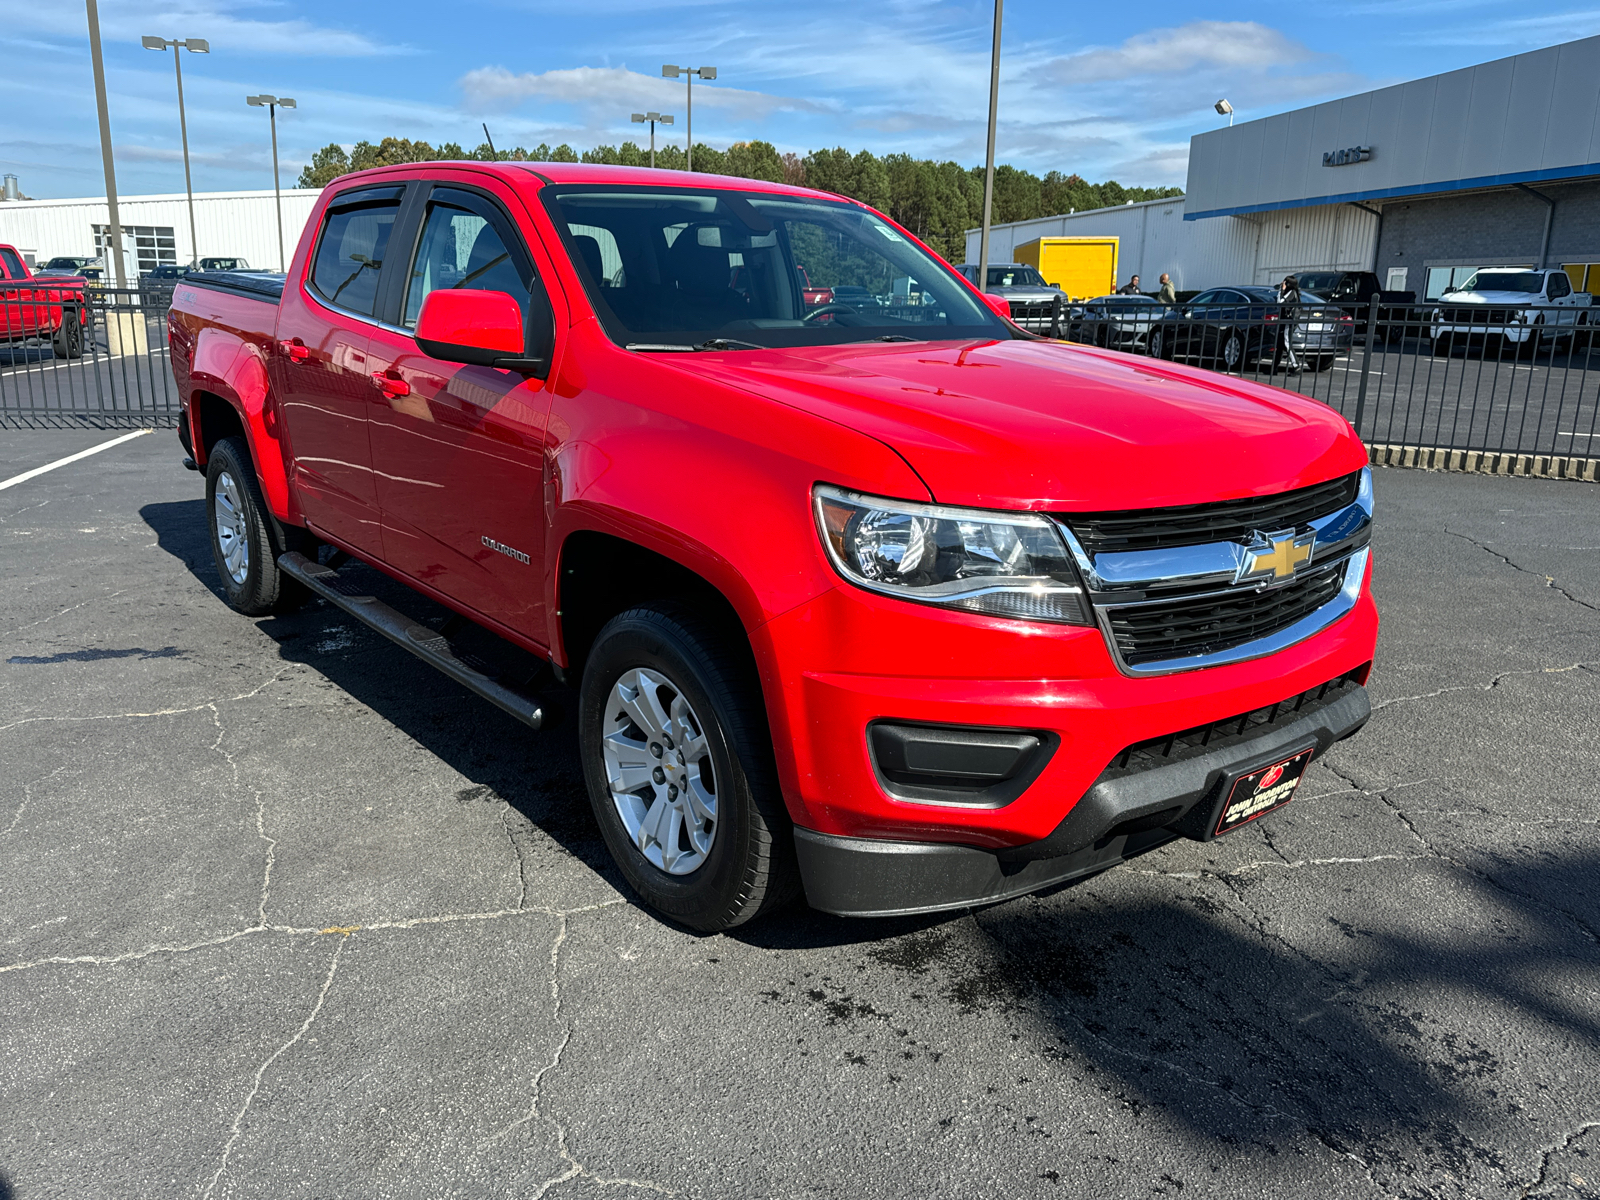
<point>1166,293</point>
<point>1131,288</point>
<point>1288,306</point>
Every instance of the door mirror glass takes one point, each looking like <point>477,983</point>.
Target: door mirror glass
<point>469,325</point>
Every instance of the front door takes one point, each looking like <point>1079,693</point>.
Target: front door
<point>320,371</point>
<point>459,450</point>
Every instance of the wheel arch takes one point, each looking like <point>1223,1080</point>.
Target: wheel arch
<point>231,372</point>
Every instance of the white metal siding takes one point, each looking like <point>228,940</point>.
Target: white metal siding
<point>1533,112</point>
<point>1153,237</point>
<point>228,224</point>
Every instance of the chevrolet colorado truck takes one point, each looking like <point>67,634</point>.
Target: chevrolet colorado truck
<point>51,309</point>
<point>1525,310</point>
<point>908,609</point>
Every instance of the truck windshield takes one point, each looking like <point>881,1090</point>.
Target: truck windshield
<point>1530,282</point>
<point>684,267</point>
<point>1015,277</point>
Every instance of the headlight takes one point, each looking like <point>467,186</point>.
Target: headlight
<point>998,564</point>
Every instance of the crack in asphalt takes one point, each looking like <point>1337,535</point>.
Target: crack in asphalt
<point>1486,687</point>
<point>574,1168</point>
<point>237,1129</point>
<point>516,852</point>
<point>1551,1151</point>
<point>1549,580</point>
<point>27,796</point>
<point>160,712</point>
<point>62,613</point>
<point>1287,865</point>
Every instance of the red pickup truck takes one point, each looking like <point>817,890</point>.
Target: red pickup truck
<point>909,609</point>
<point>50,309</point>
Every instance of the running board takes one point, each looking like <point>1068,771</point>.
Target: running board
<point>427,644</point>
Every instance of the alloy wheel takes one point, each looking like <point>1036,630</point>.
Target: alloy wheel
<point>233,534</point>
<point>659,771</point>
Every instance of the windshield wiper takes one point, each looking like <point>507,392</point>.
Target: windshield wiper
<point>727,344</point>
<point>676,346</point>
<point>894,337</point>
<point>685,348</point>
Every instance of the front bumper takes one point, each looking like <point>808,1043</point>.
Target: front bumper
<point>1130,809</point>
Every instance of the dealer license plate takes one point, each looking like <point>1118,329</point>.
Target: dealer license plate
<point>1262,791</point>
<point>1318,327</point>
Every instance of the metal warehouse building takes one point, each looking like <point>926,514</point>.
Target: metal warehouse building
<point>156,228</point>
<point>1423,182</point>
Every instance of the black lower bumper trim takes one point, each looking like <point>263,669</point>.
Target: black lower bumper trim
<point>865,877</point>
<point>1122,815</point>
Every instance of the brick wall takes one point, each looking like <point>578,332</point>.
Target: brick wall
<point>1488,229</point>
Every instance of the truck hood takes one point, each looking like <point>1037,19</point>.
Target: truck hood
<point>1491,298</point>
<point>1042,425</point>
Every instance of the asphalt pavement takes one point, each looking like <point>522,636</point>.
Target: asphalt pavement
<point>284,913</point>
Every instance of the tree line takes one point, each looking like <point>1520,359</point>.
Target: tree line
<point>938,201</point>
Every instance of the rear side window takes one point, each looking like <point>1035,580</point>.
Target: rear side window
<point>351,248</point>
<point>13,264</point>
<point>1559,287</point>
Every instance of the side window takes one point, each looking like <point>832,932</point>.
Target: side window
<point>13,264</point>
<point>1559,286</point>
<point>350,251</point>
<point>461,248</point>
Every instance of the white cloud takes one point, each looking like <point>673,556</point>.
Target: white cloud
<point>1169,52</point>
<point>225,25</point>
<point>614,89</point>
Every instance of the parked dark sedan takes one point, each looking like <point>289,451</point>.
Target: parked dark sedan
<point>1228,328</point>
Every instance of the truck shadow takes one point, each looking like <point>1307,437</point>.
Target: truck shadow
<point>537,773</point>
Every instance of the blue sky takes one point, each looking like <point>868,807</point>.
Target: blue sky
<point>1104,89</point>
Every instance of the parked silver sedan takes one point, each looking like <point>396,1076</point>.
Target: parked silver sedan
<point>1117,322</point>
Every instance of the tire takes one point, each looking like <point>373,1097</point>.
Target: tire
<point>1231,352</point>
<point>67,341</point>
<point>1441,346</point>
<point>1157,345</point>
<point>247,564</point>
<point>661,670</point>
<point>1322,362</point>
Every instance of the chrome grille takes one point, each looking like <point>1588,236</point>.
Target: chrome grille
<point>1203,625</point>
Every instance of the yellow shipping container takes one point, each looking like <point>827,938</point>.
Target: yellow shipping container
<point>1082,267</point>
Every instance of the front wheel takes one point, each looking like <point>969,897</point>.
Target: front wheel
<point>678,760</point>
<point>1232,351</point>
<point>241,541</point>
<point>1158,344</point>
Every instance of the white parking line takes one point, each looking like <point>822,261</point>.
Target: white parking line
<point>72,458</point>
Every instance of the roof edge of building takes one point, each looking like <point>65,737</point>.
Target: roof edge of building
<point>1082,212</point>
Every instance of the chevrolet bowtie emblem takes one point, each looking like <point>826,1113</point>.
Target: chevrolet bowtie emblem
<point>1275,555</point>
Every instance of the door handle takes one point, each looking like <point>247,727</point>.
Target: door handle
<point>392,386</point>
<point>297,350</point>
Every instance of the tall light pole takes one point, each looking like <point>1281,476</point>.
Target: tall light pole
<point>652,117</point>
<point>114,250</point>
<point>193,46</point>
<point>273,104</point>
<point>988,170</point>
<point>688,74</point>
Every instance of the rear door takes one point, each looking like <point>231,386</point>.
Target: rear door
<point>320,371</point>
<point>458,449</point>
<point>14,317</point>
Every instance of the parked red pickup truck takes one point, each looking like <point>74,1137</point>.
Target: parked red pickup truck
<point>50,309</point>
<point>909,609</point>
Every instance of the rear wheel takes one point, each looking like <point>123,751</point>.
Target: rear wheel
<point>1232,350</point>
<point>67,342</point>
<point>678,760</point>
<point>1158,344</point>
<point>1441,346</point>
<point>241,541</point>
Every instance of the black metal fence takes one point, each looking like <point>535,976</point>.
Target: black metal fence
<point>1508,380</point>
<point>101,365</point>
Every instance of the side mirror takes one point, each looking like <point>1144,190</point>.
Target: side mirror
<point>474,326</point>
<point>1000,304</point>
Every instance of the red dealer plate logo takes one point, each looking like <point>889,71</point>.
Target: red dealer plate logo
<point>1259,792</point>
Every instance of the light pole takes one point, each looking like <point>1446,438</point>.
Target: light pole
<point>193,46</point>
<point>652,117</point>
<point>272,105</point>
<point>1224,109</point>
<point>688,74</point>
<point>114,250</point>
<point>988,170</point>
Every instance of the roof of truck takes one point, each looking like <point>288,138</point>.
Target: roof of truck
<point>563,172</point>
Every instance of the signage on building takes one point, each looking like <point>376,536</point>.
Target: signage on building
<point>1343,158</point>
